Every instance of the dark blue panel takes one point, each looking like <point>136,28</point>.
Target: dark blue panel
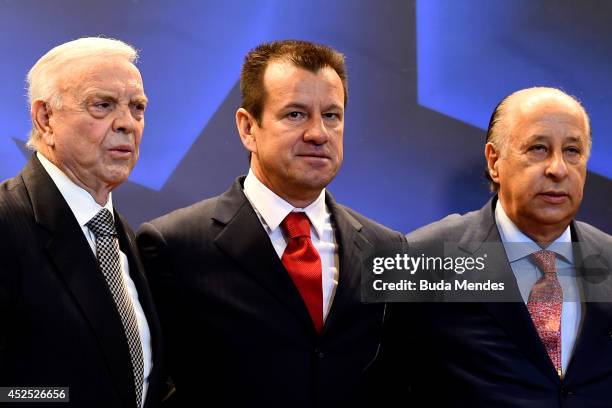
<point>190,59</point>
<point>405,163</point>
<point>471,54</point>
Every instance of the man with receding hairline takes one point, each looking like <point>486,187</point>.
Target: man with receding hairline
<point>542,207</point>
<point>74,301</point>
<point>258,289</point>
<point>547,341</point>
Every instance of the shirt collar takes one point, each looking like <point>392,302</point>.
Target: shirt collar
<point>518,245</point>
<point>82,204</point>
<point>273,209</point>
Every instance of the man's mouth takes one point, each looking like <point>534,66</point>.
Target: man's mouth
<point>554,197</point>
<point>316,155</point>
<point>121,151</point>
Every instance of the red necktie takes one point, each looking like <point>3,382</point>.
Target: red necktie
<point>303,263</point>
<point>545,303</point>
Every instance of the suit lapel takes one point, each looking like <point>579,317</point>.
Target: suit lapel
<point>351,249</point>
<point>76,265</point>
<point>244,239</point>
<point>513,317</point>
<point>593,273</point>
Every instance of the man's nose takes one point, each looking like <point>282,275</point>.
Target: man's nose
<point>556,167</point>
<point>316,131</point>
<point>124,121</point>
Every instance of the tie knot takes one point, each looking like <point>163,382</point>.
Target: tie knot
<point>545,260</point>
<point>102,224</point>
<point>296,224</point>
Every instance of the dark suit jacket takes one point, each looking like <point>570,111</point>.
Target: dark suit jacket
<point>237,330</point>
<point>60,325</point>
<point>486,354</point>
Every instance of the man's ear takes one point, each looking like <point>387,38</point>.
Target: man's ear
<point>247,127</point>
<point>492,155</point>
<point>41,120</point>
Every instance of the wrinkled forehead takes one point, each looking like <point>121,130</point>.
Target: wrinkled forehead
<point>99,72</point>
<point>282,78</point>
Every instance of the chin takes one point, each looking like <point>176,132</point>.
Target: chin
<point>117,177</point>
<point>315,183</point>
<point>554,217</point>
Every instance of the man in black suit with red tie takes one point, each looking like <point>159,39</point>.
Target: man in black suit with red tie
<point>259,288</point>
<point>75,307</point>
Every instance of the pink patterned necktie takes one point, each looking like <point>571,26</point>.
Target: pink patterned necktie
<point>545,304</point>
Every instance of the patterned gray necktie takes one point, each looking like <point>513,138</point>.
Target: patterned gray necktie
<point>107,252</point>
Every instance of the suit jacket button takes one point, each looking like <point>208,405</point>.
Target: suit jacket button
<point>320,354</point>
<point>610,333</point>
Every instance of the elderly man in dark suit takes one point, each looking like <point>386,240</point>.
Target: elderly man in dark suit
<point>547,340</point>
<point>74,303</point>
<point>259,288</point>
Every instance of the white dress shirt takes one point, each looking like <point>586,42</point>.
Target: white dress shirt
<point>518,248</point>
<point>84,208</point>
<point>272,210</point>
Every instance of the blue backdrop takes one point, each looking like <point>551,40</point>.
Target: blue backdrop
<point>423,79</point>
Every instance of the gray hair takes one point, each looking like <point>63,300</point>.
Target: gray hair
<point>500,124</point>
<point>44,77</point>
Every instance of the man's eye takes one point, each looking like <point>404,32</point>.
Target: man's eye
<point>573,150</point>
<point>295,115</point>
<point>139,107</point>
<point>103,105</point>
<point>537,148</point>
<point>331,115</point>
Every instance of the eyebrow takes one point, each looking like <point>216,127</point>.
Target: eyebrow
<point>111,96</point>
<point>537,138</point>
<point>334,106</point>
<point>141,99</point>
<point>574,139</point>
<point>295,105</point>
<point>301,106</point>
